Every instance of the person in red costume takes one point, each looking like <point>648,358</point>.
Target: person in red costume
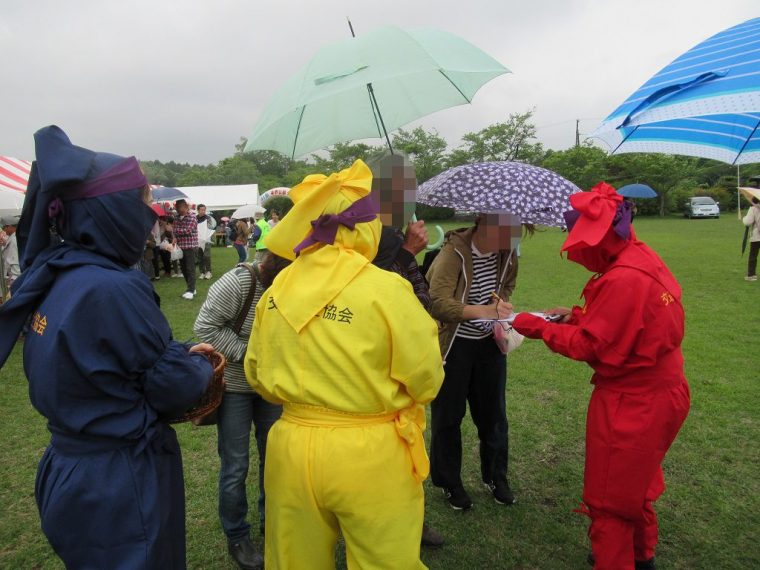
<point>629,331</point>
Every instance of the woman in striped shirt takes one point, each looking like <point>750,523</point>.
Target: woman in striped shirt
<point>473,264</point>
<point>241,409</point>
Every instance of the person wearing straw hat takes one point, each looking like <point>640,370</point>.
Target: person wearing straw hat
<point>332,342</point>
<point>101,363</point>
<point>629,331</point>
<point>752,222</point>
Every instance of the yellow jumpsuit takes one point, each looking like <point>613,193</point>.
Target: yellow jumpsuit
<point>348,453</point>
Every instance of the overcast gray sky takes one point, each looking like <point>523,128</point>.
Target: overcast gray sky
<point>183,80</point>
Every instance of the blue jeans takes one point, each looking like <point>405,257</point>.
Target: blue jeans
<point>242,252</point>
<point>237,413</point>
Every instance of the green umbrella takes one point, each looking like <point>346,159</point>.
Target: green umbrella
<point>365,87</point>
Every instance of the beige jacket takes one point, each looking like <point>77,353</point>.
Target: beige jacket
<point>753,217</point>
<point>450,278</point>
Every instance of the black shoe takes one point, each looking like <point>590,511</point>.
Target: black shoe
<point>501,492</point>
<point>244,553</point>
<point>638,564</point>
<point>431,538</point>
<point>458,498</point>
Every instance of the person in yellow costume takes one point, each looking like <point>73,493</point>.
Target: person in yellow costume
<point>352,356</point>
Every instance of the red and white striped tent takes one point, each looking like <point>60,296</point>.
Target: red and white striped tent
<point>14,173</point>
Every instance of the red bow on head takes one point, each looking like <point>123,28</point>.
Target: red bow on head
<point>593,214</point>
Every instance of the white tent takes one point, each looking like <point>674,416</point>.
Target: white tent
<point>222,197</point>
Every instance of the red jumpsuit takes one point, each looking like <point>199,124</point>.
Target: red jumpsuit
<point>629,331</point>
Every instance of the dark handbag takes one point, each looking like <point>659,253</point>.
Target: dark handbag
<point>210,416</point>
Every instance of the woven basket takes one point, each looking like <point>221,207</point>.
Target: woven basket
<point>212,397</point>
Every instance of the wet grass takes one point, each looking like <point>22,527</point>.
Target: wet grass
<point>709,516</point>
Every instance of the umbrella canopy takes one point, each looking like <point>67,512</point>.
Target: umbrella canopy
<point>365,87</point>
<point>159,209</point>
<point>537,195</point>
<point>637,191</point>
<point>706,103</point>
<point>165,193</point>
<point>247,211</point>
<point>750,193</point>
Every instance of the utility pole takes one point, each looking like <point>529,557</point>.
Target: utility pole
<point>577,133</point>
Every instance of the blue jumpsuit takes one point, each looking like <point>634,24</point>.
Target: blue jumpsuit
<point>103,369</point>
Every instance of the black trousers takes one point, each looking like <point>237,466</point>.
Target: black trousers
<point>475,373</point>
<point>187,263</point>
<point>754,248</point>
<point>156,261</point>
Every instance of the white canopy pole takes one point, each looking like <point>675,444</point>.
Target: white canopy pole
<point>738,194</point>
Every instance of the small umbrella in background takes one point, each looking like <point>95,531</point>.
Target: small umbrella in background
<point>637,191</point>
<point>158,209</point>
<point>247,211</point>
<point>366,86</point>
<point>537,195</point>
<point>166,193</point>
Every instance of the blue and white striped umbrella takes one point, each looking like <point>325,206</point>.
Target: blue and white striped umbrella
<point>706,103</point>
<point>537,195</point>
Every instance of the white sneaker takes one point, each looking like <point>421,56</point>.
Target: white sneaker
<point>751,278</point>
<point>188,295</point>
<point>202,276</point>
<point>176,275</point>
<point>208,275</point>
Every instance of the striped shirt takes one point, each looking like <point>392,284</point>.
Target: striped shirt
<point>484,279</point>
<point>216,320</point>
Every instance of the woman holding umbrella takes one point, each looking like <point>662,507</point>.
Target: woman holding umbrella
<point>472,279</point>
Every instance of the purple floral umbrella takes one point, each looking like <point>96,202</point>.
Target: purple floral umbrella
<point>537,195</point>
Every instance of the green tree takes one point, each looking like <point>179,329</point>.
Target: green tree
<point>583,165</point>
<point>342,155</point>
<point>426,150</point>
<point>514,139</point>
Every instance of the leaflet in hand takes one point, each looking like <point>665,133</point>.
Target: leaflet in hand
<point>510,319</point>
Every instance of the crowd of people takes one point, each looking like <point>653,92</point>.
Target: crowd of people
<point>179,244</point>
<point>335,342</point>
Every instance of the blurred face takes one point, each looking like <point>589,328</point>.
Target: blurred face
<point>10,230</point>
<point>182,208</point>
<point>202,211</point>
<point>395,186</point>
<point>499,231</point>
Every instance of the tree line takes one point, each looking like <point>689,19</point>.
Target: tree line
<point>674,178</point>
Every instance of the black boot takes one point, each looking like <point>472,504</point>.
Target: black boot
<point>638,564</point>
<point>244,553</point>
<point>431,538</point>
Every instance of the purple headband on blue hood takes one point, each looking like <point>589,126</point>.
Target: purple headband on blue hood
<point>99,214</point>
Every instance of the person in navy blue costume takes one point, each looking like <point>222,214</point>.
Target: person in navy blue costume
<point>101,363</point>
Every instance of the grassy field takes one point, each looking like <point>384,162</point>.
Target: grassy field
<point>709,516</point>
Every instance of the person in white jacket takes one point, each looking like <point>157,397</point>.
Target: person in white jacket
<point>752,220</point>
<point>9,250</point>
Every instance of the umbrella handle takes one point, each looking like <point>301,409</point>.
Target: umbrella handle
<point>438,242</point>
